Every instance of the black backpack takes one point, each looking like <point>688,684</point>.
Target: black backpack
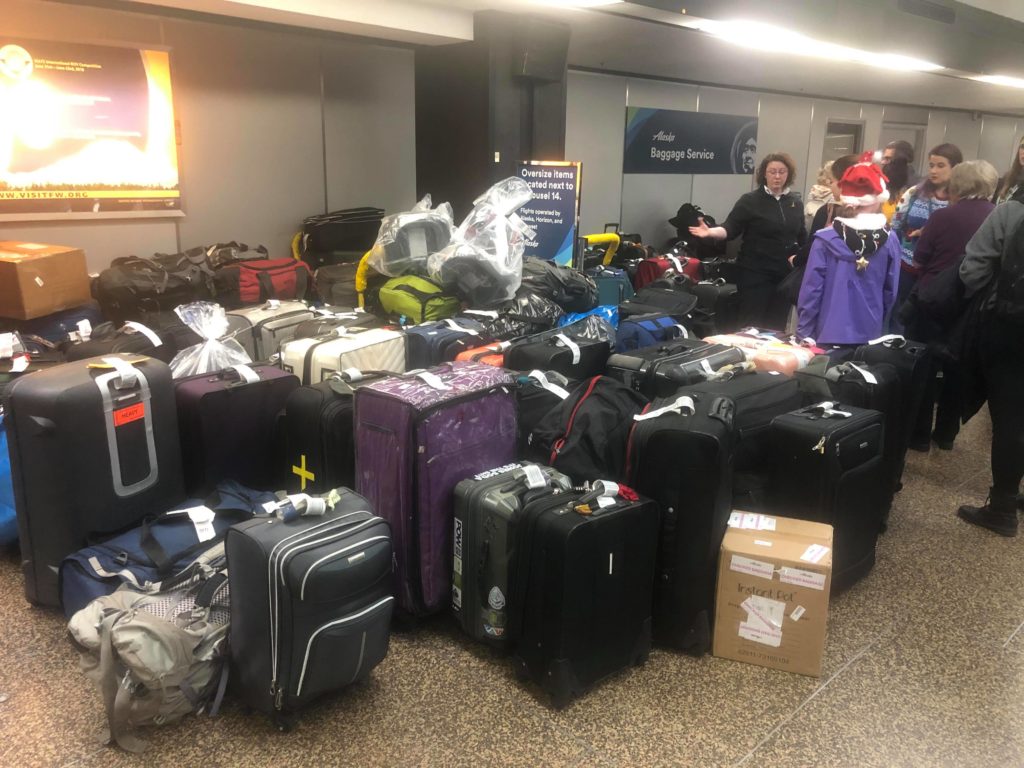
<point>1010,286</point>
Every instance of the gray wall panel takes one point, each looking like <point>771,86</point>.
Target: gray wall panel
<point>1000,137</point>
<point>649,200</point>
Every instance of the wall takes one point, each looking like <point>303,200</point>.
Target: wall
<point>274,126</point>
<point>595,135</point>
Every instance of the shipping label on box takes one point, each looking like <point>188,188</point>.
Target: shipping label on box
<point>773,589</point>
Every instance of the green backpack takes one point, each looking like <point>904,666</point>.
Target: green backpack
<point>417,299</point>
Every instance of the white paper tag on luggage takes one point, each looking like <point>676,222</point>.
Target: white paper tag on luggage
<point>797,613</point>
<point>683,332</point>
<point>572,345</point>
<point>869,377</point>
<point>341,330</point>
<point>84,329</point>
<point>751,567</point>
<point>432,380</point>
<point>541,378</point>
<point>6,345</point>
<point>802,578</point>
<point>482,312</point>
<point>887,338</point>
<point>129,377</point>
<point>685,402</point>
<point>353,374</point>
<point>147,332</point>
<point>676,263</point>
<point>535,478</point>
<point>273,303</point>
<point>605,501</point>
<point>246,374</point>
<point>814,553</point>
<point>19,364</point>
<point>202,519</point>
<point>706,366</point>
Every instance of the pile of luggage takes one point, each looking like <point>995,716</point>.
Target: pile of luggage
<point>269,484</point>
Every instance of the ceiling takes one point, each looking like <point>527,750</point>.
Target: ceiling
<point>644,37</point>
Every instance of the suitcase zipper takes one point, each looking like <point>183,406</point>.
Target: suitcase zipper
<point>560,442</point>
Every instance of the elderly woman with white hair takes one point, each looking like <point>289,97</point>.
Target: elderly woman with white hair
<point>942,245</point>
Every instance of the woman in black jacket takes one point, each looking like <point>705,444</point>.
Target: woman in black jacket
<point>771,221</point>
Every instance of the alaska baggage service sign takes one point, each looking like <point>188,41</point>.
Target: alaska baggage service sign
<point>670,141</point>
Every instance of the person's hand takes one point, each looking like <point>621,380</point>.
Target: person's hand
<point>701,230</point>
<point>915,233</point>
<point>792,259</point>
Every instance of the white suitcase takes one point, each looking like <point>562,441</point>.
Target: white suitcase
<point>313,360</point>
<point>262,329</point>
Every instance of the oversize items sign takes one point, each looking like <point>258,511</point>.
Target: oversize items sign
<point>669,141</point>
<point>554,210</point>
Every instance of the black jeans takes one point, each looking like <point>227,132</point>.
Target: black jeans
<point>760,304</point>
<point>1002,354</point>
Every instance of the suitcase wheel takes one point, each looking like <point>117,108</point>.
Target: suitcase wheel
<point>561,699</point>
<point>284,723</point>
<point>641,659</point>
<point>522,672</point>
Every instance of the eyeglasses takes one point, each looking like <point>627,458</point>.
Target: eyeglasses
<point>773,172</point>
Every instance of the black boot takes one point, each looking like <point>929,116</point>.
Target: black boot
<point>998,515</point>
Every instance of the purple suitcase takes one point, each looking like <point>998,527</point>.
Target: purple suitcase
<point>231,428</point>
<point>417,436</point>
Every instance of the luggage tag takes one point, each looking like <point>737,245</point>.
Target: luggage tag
<point>273,304</point>
<point>298,505</point>
<point>147,332</point>
<point>869,377</point>
<point>84,331</point>
<point>6,345</point>
<point>683,333</point>
<point>828,410</point>
<point>246,374</point>
<point>541,378</point>
<point>676,263</point>
<point>684,402</point>
<point>535,478</point>
<point>20,363</point>
<point>482,312</point>
<point>127,375</point>
<point>888,339</point>
<point>572,345</point>
<point>202,519</point>
<point>432,380</point>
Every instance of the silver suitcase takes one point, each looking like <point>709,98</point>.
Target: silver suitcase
<point>314,360</point>
<point>262,329</point>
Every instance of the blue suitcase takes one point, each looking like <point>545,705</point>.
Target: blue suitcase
<point>8,518</point>
<point>640,331</point>
<point>430,344</point>
<point>613,285</point>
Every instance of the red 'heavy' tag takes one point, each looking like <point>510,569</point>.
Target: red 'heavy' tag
<point>129,414</point>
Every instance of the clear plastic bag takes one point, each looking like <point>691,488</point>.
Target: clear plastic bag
<point>405,240</point>
<point>217,352</point>
<point>484,261</point>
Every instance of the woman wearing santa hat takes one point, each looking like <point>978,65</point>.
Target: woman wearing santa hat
<point>853,268</point>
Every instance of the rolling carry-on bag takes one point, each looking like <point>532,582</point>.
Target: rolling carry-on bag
<point>431,344</point>
<point>230,428</point>
<point>680,454</point>
<point>653,268</point>
<point>660,370</point>
<point>262,330</point>
<point>311,601</point>
<point>319,439</point>
<point>582,585</point>
<point>487,508</point>
<point>417,436</point>
<point>131,338</point>
<point>722,301</point>
<point>313,360</point>
<point>489,354</point>
<point>613,285</point>
<point>573,358</point>
<point>8,516</point>
<point>828,468</point>
<point>659,300</point>
<point>94,449</point>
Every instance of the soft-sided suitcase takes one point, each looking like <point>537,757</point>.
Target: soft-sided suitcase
<point>489,354</point>
<point>659,300</point>
<point>827,467</point>
<point>262,330</point>
<point>573,358</point>
<point>229,425</point>
<point>313,360</point>
<point>336,284</point>
<point>537,393</point>
<point>660,370</point>
<point>431,344</point>
<point>582,588</point>
<point>320,442</point>
<point>162,546</point>
<point>94,449</point>
<point>487,508</point>
<point>722,301</point>
<point>417,436</point>
<point>311,603</point>
<point>8,516</point>
<point>680,454</point>
<point>61,326</point>
<point>640,331</point>
<point>131,338</point>
<point>651,269</point>
<point>255,282</point>
<point>613,285</point>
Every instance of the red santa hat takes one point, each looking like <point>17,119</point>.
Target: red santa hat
<point>863,183</point>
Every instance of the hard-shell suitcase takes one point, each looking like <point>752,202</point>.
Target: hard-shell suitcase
<point>8,515</point>
<point>311,603</point>
<point>229,425</point>
<point>827,467</point>
<point>574,358</point>
<point>680,454</point>
<point>582,590</point>
<point>417,436</point>
<point>94,449</point>
<point>261,330</point>
<point>661,370</point>
<point>431,344</point>
<point>613,285</point>
<point>319,437</point>
<point>722,301</point>
<point>313,360</point>
<point>487,508</point>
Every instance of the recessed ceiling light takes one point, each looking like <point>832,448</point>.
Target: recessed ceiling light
<point>779,40</point>
<point>1010,82</point>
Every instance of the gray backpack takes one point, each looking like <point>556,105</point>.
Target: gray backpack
<point>156,654</point>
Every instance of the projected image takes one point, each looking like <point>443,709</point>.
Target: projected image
<point>85,128</point>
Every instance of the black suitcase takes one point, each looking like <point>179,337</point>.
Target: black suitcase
<point>94,449</point>
<point>721,300</point>
<point>581,588</point>
<point>661,370</point>
<point>655,299</point>
<point>682,458</point>
<point>573,358</point>
<point>875,386</point>
<point>487,509</point>
<point>132,338</point>
<point>320,445</point>
<point>230,424</point>
<point>310,603</point>
<point>827,467</point>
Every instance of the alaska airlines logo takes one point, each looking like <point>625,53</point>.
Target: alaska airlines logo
<point>662,136</point>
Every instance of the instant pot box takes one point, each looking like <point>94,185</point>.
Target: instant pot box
<point>37,280</point>
<point>771,608</point>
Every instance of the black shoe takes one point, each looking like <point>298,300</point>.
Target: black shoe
<point>999,521</point>
<point>945,445</point>
<point>920,445</point>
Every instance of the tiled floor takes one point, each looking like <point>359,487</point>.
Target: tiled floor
<point>924,667</point>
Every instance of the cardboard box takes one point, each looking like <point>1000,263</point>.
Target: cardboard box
<point>771,608</point>
<point>37,280</point>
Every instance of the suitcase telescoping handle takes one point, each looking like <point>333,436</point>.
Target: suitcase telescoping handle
<point>825,410</point>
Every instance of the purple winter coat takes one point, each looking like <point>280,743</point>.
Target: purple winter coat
<point>840,305</point>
